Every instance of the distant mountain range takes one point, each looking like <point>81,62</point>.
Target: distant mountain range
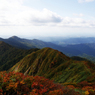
<point>17,42</point>
<point>71,47</point>
<point>28,44</point>
<point>72,41</point>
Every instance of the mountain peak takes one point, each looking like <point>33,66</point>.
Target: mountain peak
<point>15,37</point>
<point>45,60</point>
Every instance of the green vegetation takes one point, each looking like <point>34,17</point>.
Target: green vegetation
<point>54,65</point>
<point>76,73</point>
<point>9,55</point>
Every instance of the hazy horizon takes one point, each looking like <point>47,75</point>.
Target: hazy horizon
<point>48,38</point>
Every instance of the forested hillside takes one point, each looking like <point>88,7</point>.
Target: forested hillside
<point>10,55</point>
<point>54,65</point>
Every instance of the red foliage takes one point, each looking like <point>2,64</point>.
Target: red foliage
<point>1,90</point>
<point>18,84</point>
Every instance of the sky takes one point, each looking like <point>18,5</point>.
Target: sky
<point>47,18</point>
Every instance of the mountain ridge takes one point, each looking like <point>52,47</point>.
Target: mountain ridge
<point>69,50</point>
<point>54,65</point>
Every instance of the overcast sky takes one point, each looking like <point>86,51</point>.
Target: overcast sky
<point>27,18</point>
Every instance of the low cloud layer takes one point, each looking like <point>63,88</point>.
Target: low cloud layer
<point>14,13</point>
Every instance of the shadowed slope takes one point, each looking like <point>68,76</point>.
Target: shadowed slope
<point>9,55</point>
<point>4,47</point>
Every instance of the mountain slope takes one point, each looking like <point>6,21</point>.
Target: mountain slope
<point>4,47</point>
<point>77,47</point>
<point>35,43</point>
<point>38,59</point>
<point>28,44</point>
<point>16,42</point>
<point>80,49</point>
<point>10,55</point>
<point>70,50</point>
<point>54,65</point>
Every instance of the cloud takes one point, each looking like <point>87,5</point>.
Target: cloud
<point>14,13</point>
<point>44,16</point>
<point>79,15</point>
<point>82,1</point>
<point>8,11</point>
<point>76,22</point>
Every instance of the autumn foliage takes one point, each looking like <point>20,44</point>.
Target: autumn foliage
<point>18,84</point>
<point>89,88</point>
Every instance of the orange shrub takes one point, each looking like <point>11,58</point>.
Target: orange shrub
<point>18,84</point>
